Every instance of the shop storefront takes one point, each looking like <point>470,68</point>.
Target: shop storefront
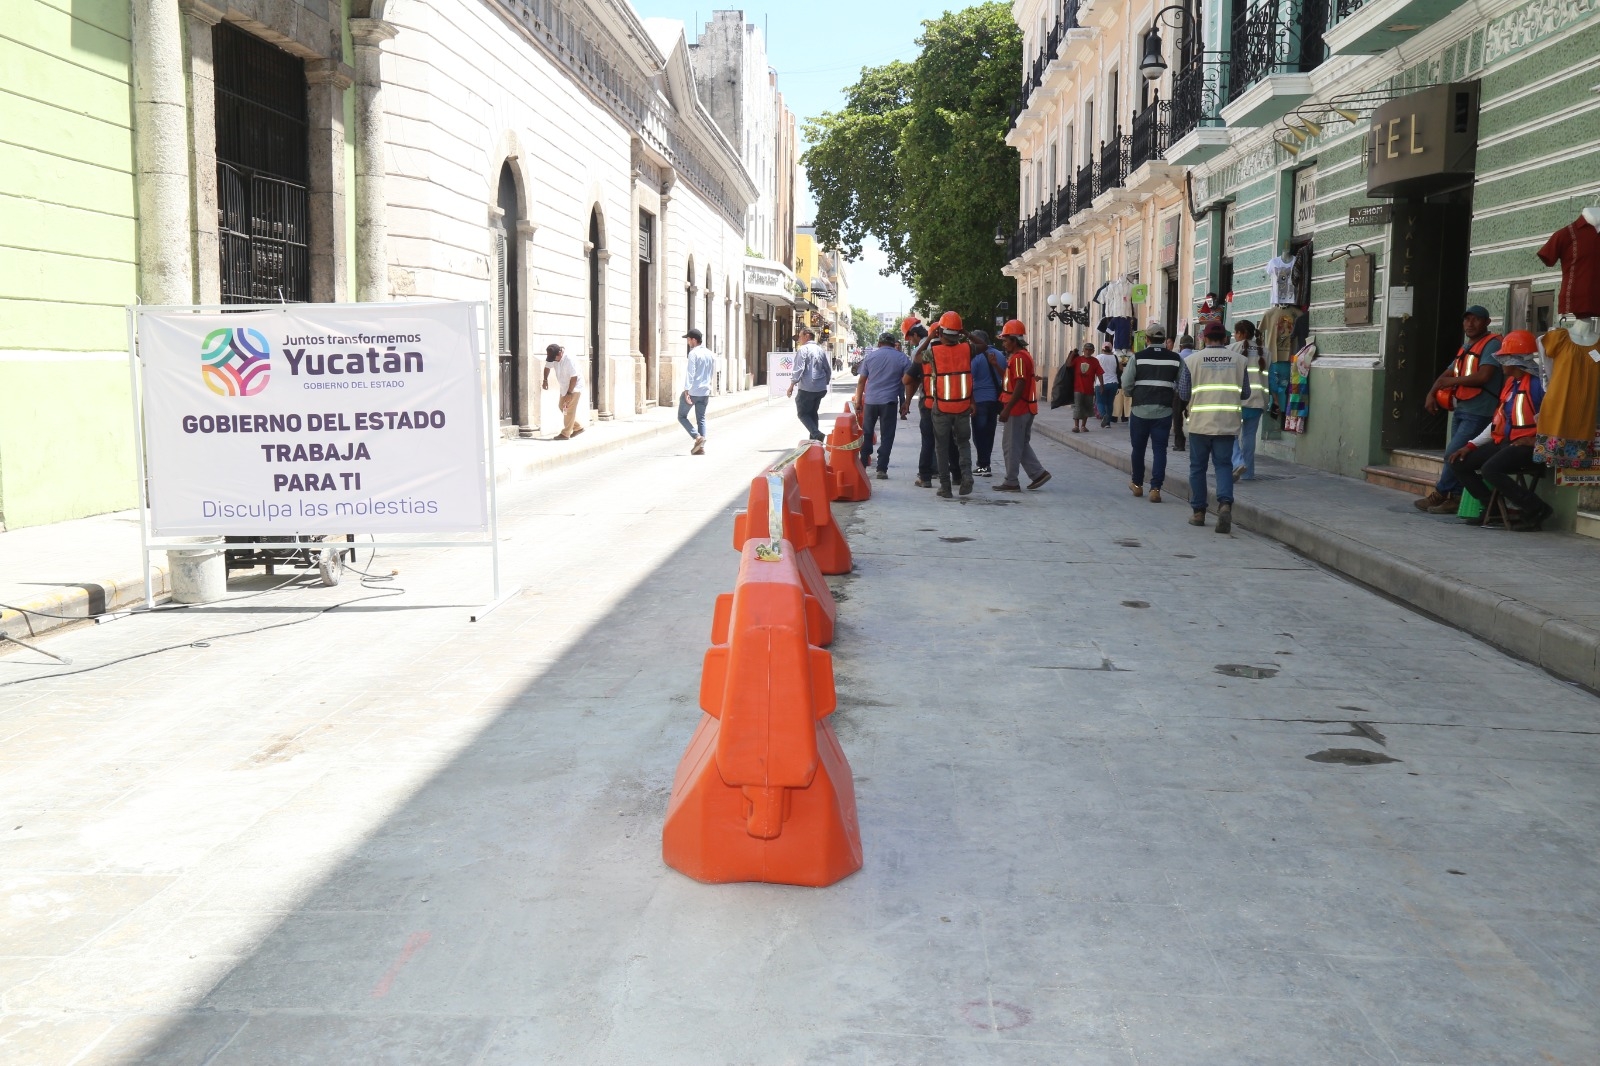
<point>1402,189</point>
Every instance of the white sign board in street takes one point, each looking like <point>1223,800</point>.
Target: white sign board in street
<point>780,368</point>
<point>314,419</point>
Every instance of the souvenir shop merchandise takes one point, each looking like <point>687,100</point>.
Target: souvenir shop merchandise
<point>1577,248</point>
<point>1278,329</point>
<point>1298,406</point>
<point>1567,438</point>
<point>1280,272</point>
<point>1209,311</point>
<point>1118,330</point>
<point>1115,296</point>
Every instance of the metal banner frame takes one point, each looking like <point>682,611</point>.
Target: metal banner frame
<point>487,381</point>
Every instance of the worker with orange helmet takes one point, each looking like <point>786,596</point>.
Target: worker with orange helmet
<point>1019,405</point>
<point>988,378</point>
<point>947,384</point>
<point>917,341</point>
<point>1489,462</point>
<point>1468,389</point>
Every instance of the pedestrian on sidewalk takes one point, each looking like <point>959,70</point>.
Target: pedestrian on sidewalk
<point>947,379</point>
<point>1105,398</point>
<point>813,371</point>
<point>988,378</point>
<point>1488,462</point>
<point>1180,440</point>
<point>879,390</point>
<point>1019,405</point>
<point>1469,389</point>
<point>1151,382</point>
<point>1086,375</point>
<point>698,376</point>
<point>569,385</point>
<point>1214,384</point>
<point>1247,345</point>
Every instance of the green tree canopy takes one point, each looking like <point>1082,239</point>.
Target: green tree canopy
<point>917,160</point>
<point>865,325</point>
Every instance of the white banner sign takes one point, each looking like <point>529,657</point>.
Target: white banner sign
<point>780,368</point>
<point>319,418</point>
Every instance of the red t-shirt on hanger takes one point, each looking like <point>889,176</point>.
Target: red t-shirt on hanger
<point>1577,249</point>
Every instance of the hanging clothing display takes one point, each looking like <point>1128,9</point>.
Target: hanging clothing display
<point>1298,406</point>
<point>1278,385</point>
<point>1278,328</point>
<point>1280,272</point>
<point>1566,437</point>
<point>1303,270</point>
<point>1577,248</point>
<point>1116,298</point>
<point>1118,329</point>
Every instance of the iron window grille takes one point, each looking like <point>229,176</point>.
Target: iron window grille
<point>1276,37</point>
<point>1197,89</point>
<point>263,170</point>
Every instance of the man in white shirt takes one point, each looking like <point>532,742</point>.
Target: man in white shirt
<point>1106,394</point>
<point>813,371</point>
<point>569,383</point>
<point>698,376</point>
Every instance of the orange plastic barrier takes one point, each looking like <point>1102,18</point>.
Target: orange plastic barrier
<point>764,792</point>
<point>832,551</point>
<point>756,523</point>
<point>844,460</point>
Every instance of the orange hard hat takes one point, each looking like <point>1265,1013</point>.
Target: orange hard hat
<point>1014,328</point>
<point>950,321</point>
<point>910,320</point>
<point>1519,342</point>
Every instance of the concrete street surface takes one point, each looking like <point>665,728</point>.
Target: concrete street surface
<point>1130,793</point>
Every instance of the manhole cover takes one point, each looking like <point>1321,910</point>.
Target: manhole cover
<point>1351,757</point>
<point>955,540</point>
<point>1134,603</point>
<point>1254,673</point>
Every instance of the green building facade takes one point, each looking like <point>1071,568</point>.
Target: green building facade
<point>1285,157</point>
<point>117,185</point>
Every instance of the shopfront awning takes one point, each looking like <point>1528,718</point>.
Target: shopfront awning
<point>769,282</point>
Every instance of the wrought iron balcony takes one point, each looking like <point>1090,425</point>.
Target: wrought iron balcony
<point>1049,51</point>
<point>1197,89</point>
<point>1083,189</point>
<point>1346,8</point>
<point>1276,37</point>
<point>1113,163</point>
<point>1148,137</point>
<point>1064,203</point>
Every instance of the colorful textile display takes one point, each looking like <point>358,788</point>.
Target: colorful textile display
<point>1299,405</point>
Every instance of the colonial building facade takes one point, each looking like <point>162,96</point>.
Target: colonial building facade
<point>552,158</point>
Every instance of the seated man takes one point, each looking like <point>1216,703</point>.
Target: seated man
<point>1505,447</point>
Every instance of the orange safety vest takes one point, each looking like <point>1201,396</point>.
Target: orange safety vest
<point>1517,416</point>
<point>952,378</point>
<point>1464,366</point>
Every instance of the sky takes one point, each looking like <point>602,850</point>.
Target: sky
<point>818,49</point>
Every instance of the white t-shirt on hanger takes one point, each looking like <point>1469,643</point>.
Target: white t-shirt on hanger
<point>1115,298</point>
<point>1281,272</point>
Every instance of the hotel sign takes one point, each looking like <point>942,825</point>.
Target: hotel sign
<point>1424,143</point>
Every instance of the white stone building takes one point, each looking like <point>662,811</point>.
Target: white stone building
<point>553,158</point>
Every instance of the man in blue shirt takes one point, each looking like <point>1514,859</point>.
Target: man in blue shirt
<point>700,373</point>
<point>813,370</point>
<point>988,378</point>
<point>878,395</point>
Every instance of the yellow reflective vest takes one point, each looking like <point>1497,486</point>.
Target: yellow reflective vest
<point>1216,377</point>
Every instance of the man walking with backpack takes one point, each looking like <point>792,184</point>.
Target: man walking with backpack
<point>947,381</point>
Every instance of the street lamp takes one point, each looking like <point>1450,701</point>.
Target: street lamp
<point>999,237</point>
<point>1065,313</point>
<point>1152,66</point>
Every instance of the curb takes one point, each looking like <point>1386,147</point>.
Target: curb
<point>84,601</point>
<point>1563,647</point>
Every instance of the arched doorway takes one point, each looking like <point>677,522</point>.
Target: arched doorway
<point>596,291</point>
<point>508,303</point>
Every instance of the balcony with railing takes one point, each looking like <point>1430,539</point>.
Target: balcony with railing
<point>1083,188</point>
<point>1147,136</point>
<point>1274,49</point>
<point>1113,164</point>
<point>1367,27</point>
<point>1037,73</point>
<point>1196,131</point>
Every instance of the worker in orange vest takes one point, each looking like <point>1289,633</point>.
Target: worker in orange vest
<point>947,383</point>
<point>1486,463</point>
<point>1468,389</point>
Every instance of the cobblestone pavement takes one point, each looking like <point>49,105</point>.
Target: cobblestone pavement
<point>1082,734</point>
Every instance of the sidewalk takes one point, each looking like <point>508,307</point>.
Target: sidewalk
<point>1535,595</point>
<point>73,571</point>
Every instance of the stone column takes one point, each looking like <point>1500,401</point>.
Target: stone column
<point>200,19</point>
<point>161,153</point>
<point>653,386</point>
<point>530,360</point>
<point>605,409</point>
<point>372,228</point>
<point>326,81</point>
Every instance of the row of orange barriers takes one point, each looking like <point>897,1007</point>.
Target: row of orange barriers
<point>764,792</point>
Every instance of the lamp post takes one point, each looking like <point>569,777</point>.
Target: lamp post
<point>1064,312</point>
<point>1153,65</point>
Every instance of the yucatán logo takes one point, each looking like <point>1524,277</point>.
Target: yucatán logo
<point>235,362</point>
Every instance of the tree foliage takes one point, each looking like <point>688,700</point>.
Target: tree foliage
<point>917,160</point>
<point>865,325</point>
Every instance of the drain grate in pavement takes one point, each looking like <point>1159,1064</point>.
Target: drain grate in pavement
<point>1351,757</point>
<point>1253,673</point>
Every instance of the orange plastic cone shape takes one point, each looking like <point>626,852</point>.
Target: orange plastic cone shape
<point>844,461</point>
<point>764,792</point>
<point>830,549</point>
